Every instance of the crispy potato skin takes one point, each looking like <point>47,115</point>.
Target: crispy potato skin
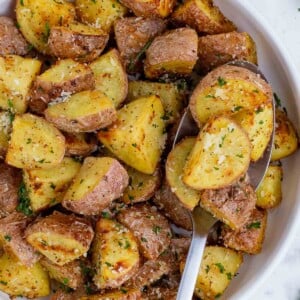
<point>10,180</point>
<point>80,144</point>
<point>11,40</point>
<point>150,227</point>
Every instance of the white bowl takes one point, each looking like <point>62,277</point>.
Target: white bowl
<point>282,75</point>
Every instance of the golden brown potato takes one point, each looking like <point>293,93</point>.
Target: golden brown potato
<point>122,294</point>
<point>137,137</point>
<point>269,193</point>
<point>286,140</point>
<point>34,143</point>
<point>133,35</point>
<point>11,40</point>
<point>115,254</point>
<point>150,227</point>
<point>61,238</point>
<point>250,237</point>
<point>150,8</point>
<point>217,93</point>
<point>203,16</point>
<point>77,41</point>
<point>173,52</point>
<point>86,111</point>
<point>60,81</point>
<point>218,49</point>
<point>99,181</point>
<point>5,131</point>
<point>17,279</point>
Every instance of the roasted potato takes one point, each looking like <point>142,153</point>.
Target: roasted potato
<point>218,49</point>
<point>36,18</point>
<point>122,294</point>
<point>219,157</point>
<point>269,193</point>
<point>34,143</point>
<point>60,81</point>
<point>250,237</point>
<point>99,181</point>
<point>16,77</point>
<point>137,137</point>
<point>11,40</point>
<point>86,111</point>
<point>232,205</point>
<point>5,130</point>
<point>151,228</point>
<point>133,35</point>
<point>171,97</point>
<point>179,53</point>
<point>10,180</point>
<point>203,16</point>
<point>17,279</point>
<point>77,41</point>
<point>217,93</point>
<point>115,254</point>
<point>286,141</point>
<point>61,238</point>
<point>110,76</point>
<point>46,187</point>
<point>100,14</point>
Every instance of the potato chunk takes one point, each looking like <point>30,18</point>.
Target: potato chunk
<point>80,144</point>
<point>174,52</point>
<point>5,131</point>
<point>99,181</point>
<point>35,143</point>
<point>17,279</point>
<point>115,254</point>
<point>269,193</point>
<point>61,238</point>
<point>110,76</point>
<point>60,81</point>
<point>137,137</point>
<point>203,16</point>
<point>250,237</point>
<point>219,157</point>
<point>151,229</point>
<point>77,41</point>
<point>16,77</point>
<point>46,187</point>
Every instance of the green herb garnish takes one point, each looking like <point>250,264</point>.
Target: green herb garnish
<point>254,225</point>
<point>24,201</point>
<point>221,81</point>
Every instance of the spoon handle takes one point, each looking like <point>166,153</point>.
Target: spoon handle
<point>202,222</point>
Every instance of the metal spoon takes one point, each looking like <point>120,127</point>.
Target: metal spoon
<point>202,220</point>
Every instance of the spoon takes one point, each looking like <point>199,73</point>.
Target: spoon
<point>201,219</point>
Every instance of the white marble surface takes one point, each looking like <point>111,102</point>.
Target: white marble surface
<point>284,18</point>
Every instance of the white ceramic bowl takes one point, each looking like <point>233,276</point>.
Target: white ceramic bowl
<point>281,73</point>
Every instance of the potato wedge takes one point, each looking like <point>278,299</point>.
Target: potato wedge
<point>151,228</point>
<point>122,294</point>
<point>60,81</point>
<point>17,279</point>
<point>141,186</point>
<point>61,238</point>
<point>269,193</point>
<point>218,49</point>
<point>171,97</point>
<point>203,16</point>
<point>220,156</point>
<point>286,141</point>
<point>86,111</point>
<point>77,41</point>
<point>16,77</point>
<point>150,8</point>
<point>35,143</point>
<point>46,187</point>
<point>5,131</point>
<point>80,144</point>
<point>137,137</point>
<point>217,93</point>
<point>110,76</point>
<point>115,254</point>
<point>100,14</point>
<point>179,53</point>
<point>36,18</point>
<point>250,237</point>
<point>99,181</point>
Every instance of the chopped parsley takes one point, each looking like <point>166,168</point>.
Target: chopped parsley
<point>277,100</point>
<point>222,140</point>
<point>24,201</point>
<point>237,108</point>
<point>7,237</point>
<point>124,291</point>
<point>127,245</point>
<point>3,282</point>
<point>156,229</point>
<point>105,215</point>
<point>108,264</point>
<point>144,239</point>
<point>259,110</point>
<point>207,268</point>
<point>134,145</point>
<point>221,81</point>
<point>220,267</point>
<point>11,113</point>
<point>240,155</point>
<point>138,57</point>
<point>46,33</point>
<point>52,185</point>
<point>229,275</point>
<point>254,225</point>
<point>210,96</point>
<point>65,281</point>
<point>22,2</point>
